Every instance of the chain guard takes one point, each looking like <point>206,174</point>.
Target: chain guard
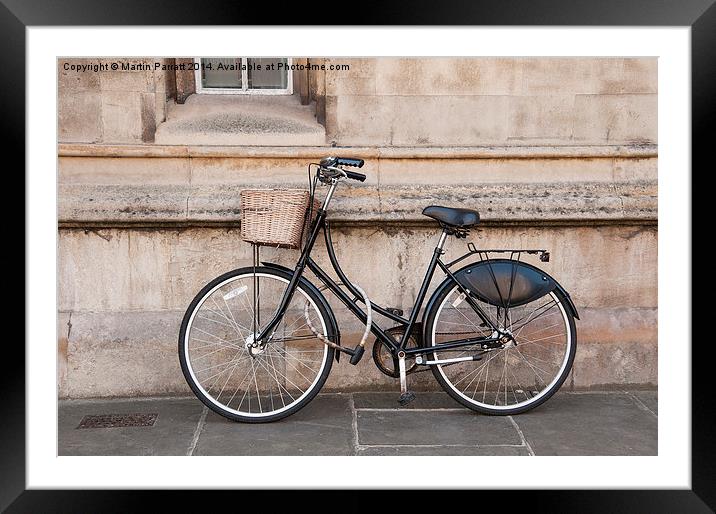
<point>384,360</point>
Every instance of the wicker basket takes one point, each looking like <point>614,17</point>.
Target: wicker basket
<point>274,217</point>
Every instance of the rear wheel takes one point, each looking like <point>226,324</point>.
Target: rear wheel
<point>512,379</point>
<point>246,383</point>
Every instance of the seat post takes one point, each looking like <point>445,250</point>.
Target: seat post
<point>441,242</point>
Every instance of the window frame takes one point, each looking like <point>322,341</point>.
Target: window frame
<point>244,82</point>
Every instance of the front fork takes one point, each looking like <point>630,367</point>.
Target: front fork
<point>298,271</point>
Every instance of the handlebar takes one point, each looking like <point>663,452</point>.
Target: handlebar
<point>331,163</point>
<point>348,161</point>
<point>355,175</point>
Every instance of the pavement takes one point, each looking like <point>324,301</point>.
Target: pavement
<point>369,423</point>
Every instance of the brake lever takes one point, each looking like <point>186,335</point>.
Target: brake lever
<point>329,178</point>
<point>340,171</point>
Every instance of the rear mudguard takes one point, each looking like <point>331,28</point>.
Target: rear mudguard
<point>333,332</point>
<point>479,278</point>
<point>509,283</point>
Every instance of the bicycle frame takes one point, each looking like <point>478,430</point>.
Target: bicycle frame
<point>305,261</point>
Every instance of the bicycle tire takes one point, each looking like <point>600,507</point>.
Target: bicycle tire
<point>318,306</point>
<point>503,410</point>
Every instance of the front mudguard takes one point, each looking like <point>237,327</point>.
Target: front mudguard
<point>333,332</point>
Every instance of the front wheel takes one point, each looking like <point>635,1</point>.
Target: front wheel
<point>248,383</point>
<point>515,378</point>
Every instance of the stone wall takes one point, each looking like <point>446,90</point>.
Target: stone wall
<point>111,106</point>
<point>492,101</point>
<point>555,153</point>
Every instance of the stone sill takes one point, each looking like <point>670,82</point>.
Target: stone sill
<point>315,152</point>
<point>90,225</point>
<point>198,204</point>
<point>241,120</point>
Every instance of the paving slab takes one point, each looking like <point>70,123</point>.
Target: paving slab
<point>650,399</point>
<point>430,427</point>
<point>423,400</point>
<point>609,423</point>
<point>590,424</point>
<point>507,451</point>
<point>323,427</point>
<point>171,433</point>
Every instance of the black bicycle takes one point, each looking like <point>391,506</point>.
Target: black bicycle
<point>257,344</point>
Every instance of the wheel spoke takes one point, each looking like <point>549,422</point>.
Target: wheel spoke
<point>543,347</point>
<point>269,379</point>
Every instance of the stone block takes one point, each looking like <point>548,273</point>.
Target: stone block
<point>359,67</point>
<point>93,275</point>
<point>580,75</point>
<point>248,173</point>
<point>636,170</point>
<point>75,80</point>
<point>127,81</point>
<point>550,76</point>
<point>148,116</point>
<point>215,203</point>
<point>618,324</point>
<point>541,119</point>
<point>627,76</point>
<point>118,170</point>
<point>115,270</point>
<point>122,117</point>
<point>124,354</point>
<point>79,115</point>
<point>64,328</point>
<point>442,76</point>
<point>479,172</point>
<point>421,120</point>
<point>331,119</point>
<point>342,86</point>
<point>616,365</point>
<point>113,203</point>
<point>160,105</point>
<point>507,203</point>
<point>610,119</point>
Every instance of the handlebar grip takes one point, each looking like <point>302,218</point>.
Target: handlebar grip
<point>347,161</point>
<point>355,175</point>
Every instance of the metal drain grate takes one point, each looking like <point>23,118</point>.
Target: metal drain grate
<point>118,420</point>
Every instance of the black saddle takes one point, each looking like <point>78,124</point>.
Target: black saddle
<point>461,218</point>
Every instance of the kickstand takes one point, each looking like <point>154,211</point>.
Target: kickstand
<point>405,396</point>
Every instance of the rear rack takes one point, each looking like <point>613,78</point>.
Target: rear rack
<point>484,254</point>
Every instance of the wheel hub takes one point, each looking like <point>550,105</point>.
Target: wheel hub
<point>254,347</point>
<point>506,339</point>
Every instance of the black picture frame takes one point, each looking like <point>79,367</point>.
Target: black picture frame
<point>700,15</point>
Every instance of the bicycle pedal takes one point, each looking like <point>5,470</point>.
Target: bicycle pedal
<point>406,398</point>
<point>357,355</point>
